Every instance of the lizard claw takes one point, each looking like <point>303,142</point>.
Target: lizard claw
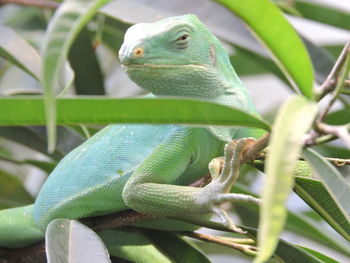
<point>227,221</point>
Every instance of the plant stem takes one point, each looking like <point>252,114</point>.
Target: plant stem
<point>244,248</point>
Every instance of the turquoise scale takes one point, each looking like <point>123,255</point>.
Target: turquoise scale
<point>90,179</point>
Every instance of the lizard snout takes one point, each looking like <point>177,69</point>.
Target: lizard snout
<point>128,55</point>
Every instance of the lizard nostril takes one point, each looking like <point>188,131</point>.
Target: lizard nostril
<point>138,52</point>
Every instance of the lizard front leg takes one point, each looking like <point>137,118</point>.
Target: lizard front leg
<point>224,176</point>
<point>149,189</point>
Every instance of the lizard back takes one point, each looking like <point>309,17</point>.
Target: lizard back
<point>89,180</point>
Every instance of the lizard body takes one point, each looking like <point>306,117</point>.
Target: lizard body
<point>146,167</point>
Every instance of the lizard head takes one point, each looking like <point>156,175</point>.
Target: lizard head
<point>176,56</point>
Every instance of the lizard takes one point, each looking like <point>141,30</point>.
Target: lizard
<point>148,167</point>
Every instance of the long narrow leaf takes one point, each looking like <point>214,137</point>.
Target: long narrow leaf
<point>176,248</point>
<point>293,120</point>
<point>65,25</point>
<point>43,165</point>
<point>314,193</point>
<point>17,51</point>
<point>12,191</point>
<point>88,76</point>
<point>287,252</point>
<point>274,31</point>
<point>30,111</point>
<point>321,59</point>
<point>295,222</point>
<point>133,246</point>
<point>324,14</point>
<point>35,137</point>
<point>333,181</point>
<point>318,255</point>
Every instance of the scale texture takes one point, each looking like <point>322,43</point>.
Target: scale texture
<point>147,167</point>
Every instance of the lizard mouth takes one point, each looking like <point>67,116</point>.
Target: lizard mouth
<point>141,66</point>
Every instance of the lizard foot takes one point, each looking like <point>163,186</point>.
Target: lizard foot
<point>224,172</point>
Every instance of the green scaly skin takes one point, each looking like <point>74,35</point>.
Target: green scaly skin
<point>147,167</point>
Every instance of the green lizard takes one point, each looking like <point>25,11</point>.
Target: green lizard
<point>147,167</point>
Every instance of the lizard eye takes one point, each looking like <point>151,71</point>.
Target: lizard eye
<point>183,37</point>
<point>183,41</point>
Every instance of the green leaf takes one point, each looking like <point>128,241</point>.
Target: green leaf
<point>279,37</point>
<point>177,248</point>
<point>337,186</point>
<point>287,252</point>
<point>17,51</point>
<point>68,241</point>
<point>35,138</point>
<point>313,192</point>
<point>334,50</point>
<point>113,30</point>
<point>339,117</point>
<point>88,76</point>
<point>248,62</point>
<point>322,60</point>
<point>293,120</point>
<point>133,246</point>
<point>12,191</point>
<point>318,255</point>
<point>332,150</point>
<point>68,20</point>
<point>291,253</point>
<point>15,81</point>
<point>44,166</point>
<point>295,222</point>
<point>30,111</point>
<point>324,14</point>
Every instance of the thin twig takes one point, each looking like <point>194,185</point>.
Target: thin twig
<point>246,249</point>
<point>339,131</point>
<point>335,161</point>
<point>345,66</point>
<point>338,161</point>
<point>38,3</point>
<point>331,79</point>
<point>322,132</point>
<point>321,140</point>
